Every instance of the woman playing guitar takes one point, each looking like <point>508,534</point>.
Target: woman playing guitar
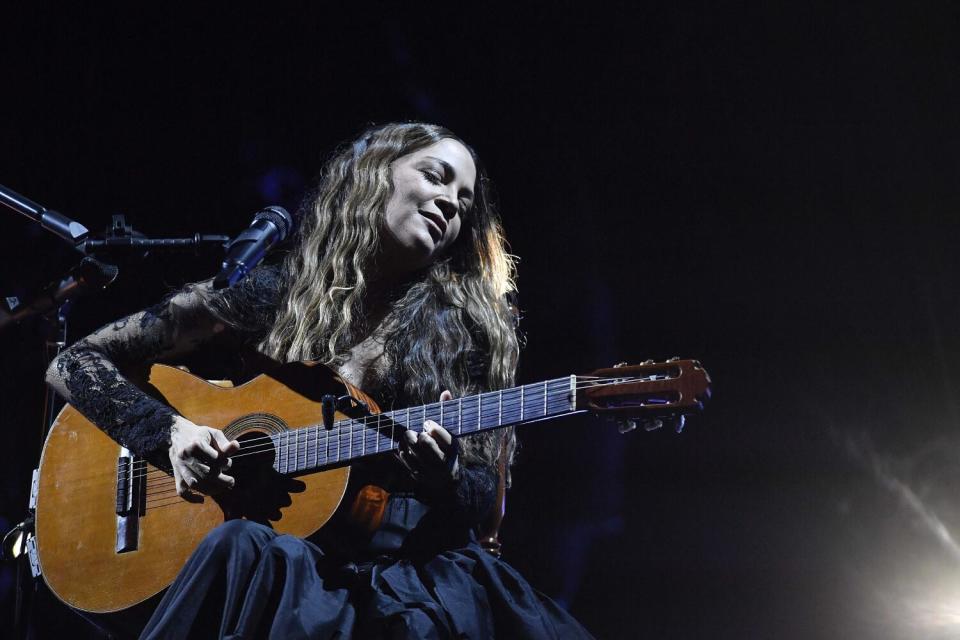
<point>399,282</point>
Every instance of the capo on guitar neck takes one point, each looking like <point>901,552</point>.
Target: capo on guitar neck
<point>348,405</point>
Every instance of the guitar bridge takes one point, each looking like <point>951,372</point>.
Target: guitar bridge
<point>124,485</point>
<point>129,495</point>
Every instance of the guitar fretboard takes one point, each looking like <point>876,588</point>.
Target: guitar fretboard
<point>314,446</point>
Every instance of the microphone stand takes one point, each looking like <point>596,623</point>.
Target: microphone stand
<point>53,303</point>
<point>121,238</point>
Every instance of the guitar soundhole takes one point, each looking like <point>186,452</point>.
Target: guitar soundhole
<point>260,492</point>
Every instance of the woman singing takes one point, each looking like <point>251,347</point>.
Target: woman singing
<point>399,282</point>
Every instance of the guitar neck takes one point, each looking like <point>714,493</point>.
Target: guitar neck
<point>314,447</point>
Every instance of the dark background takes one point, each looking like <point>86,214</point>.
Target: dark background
<point>771,188</point>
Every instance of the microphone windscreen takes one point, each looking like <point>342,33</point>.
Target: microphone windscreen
<point>280,218</point>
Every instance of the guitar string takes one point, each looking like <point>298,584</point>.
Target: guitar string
<point>156,499</point>
<point>352,428</point>
<point>165,490</point>
<point>166,481</point>
<point>356,430</point>
<point>351,433</point>
<point>340,436</point>
<point>349,429</point>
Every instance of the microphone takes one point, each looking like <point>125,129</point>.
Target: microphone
<point>57,223</point>
<point>89,275</point>
<point>269,227</point>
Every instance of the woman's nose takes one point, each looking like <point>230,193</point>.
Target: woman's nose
<point>447,208</point>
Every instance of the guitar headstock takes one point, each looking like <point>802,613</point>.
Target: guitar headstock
<point>648,392</point>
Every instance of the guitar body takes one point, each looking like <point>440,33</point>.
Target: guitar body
<point>79,534</point>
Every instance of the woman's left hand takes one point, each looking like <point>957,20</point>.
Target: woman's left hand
<point>431,455</point>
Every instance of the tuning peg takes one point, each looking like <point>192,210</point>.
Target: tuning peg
<point>674,359</point>
<point>678,423</point>
<point>619,364</point>
<point>652,425</point>
<point>648,361</point>
<point>626,426</point>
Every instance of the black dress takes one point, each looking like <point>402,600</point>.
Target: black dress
<point>421,574</point>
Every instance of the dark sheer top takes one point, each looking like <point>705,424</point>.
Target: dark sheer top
<point>95,375</point>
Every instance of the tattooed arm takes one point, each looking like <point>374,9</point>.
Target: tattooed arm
<point>88,375</point>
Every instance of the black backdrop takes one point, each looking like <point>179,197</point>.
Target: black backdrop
<point>771,189</point>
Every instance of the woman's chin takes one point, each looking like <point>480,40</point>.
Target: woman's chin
<point>410,257</point>
<point>423,250</point>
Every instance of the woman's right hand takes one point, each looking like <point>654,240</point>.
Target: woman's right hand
<point>200,458</point>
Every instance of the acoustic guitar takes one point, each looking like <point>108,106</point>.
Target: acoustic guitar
<point>111,530</point>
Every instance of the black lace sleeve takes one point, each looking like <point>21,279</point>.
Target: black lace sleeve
<point>91,373</point>
<point>251,305</point>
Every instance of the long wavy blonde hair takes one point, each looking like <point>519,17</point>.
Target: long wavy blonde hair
<point>451,325</point>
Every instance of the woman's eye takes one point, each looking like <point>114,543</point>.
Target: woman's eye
<point>432,176</point>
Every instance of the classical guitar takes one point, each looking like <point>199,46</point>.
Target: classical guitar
<point>111,530</point>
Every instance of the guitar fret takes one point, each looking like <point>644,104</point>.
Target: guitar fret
<point>296,450</point>
<point>379,433</point>
<point>394,418</point>
<point>393,431</point>
<point>499,407</point>
<point>544,398</point>
<point>276,448</point>
<point>459,416</point>
<point>521,404</point>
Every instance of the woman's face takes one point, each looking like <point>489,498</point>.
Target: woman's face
<point>432,191</point>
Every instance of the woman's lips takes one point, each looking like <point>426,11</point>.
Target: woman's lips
<point>438,226</point>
